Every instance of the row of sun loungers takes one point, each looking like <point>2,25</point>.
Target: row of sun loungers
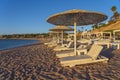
<point>68,58</point>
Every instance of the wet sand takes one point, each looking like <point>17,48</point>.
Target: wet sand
<point>38,62</point>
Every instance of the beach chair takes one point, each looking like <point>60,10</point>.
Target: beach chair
<point>90,57</point>
<point>69,51</point>
<point>51,43</point>
<point>81,46</point>
<point>103,42</point>
<point>81,49</point>
<point>68,46</point>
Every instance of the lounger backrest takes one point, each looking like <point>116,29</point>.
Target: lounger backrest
<point>70,44</point>
<point>95,51</point>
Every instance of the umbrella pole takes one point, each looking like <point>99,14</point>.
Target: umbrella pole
<point>75,49</point>
<point>62,37</point>
<point>114,36</point>
<point>58,37</point>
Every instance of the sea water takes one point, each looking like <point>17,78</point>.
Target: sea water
<point>12,43</point>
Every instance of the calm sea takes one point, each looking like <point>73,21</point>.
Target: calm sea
<point>12,43</point>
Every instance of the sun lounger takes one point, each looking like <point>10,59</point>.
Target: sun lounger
<point>115,45</point>
<point>90,57</point>
<point>81,46</point>
<point>81,49</point>
<point>67,52</point>
<point>85,41</point>
<point>68,46</point>
<point>51,42</point>
<point>103,42</point>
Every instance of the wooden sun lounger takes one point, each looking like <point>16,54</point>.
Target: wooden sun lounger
<point>66,47</point>
<point>107,43</point>
<point>70,52</point>
<point>51,42</point>
<point>90,57</point>
<point>65,53</point>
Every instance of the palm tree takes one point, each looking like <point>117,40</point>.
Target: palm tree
<point>95,26</point>
<point>113,9</point>
<point>116,15</point>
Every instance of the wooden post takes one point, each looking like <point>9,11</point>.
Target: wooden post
<point>58,38</point>
<point>75,49</point>
<point>62,37</point>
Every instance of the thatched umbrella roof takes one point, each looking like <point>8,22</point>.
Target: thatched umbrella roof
<point>82,17</point>
<point>61,28</point>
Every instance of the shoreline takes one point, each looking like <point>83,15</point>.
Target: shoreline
<point>37,41</point>
<point>22,38</point>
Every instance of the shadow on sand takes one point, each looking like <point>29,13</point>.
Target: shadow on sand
<point>107,53</point>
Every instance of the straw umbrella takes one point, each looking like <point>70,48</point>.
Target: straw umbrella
<point>76,18</point>
<point>62,29</point>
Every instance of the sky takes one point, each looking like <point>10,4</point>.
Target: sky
<point>29,16</point>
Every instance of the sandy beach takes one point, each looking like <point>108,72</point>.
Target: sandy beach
<point>38,62</point>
